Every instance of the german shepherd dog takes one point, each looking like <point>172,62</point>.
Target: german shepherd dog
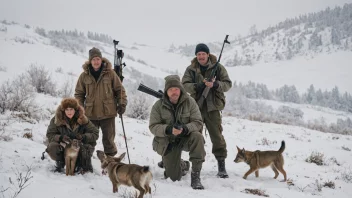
<point>71,153</point>
<point>261,159</point>
<point>126,174</point>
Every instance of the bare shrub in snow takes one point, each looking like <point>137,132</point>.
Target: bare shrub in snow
<point>3,68</point>
<point>66,89</point>
<point>345,148</point>
<point>265,142</point>
<point>255,192</point>
<point>17,185</point>
<point>329,184</point>
<point>17,95</point>
<point>138,106</point>
<point>316,158</point>
<point>40,78</point>
<point>59,70</point>
<point>346,176</point>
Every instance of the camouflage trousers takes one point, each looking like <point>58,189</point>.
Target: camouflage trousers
<point>56,153</point>
<point>194,144</point>
<point>212,122</point>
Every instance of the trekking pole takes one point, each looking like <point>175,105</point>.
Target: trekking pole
<point>124,134</point>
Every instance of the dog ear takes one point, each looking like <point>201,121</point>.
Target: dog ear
<point>120,158</point>
<point>238,149</point>
<point>243,151</point>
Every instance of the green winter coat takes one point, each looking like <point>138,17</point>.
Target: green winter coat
<point>216,97</point>
<point>164,114</point>
<point>100,98</point>
<point>58,126</point>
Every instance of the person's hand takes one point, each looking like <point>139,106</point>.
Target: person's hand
<point>176,131</point>
<point>121,109</point>
<point>209,84</point>
<point>185,131</point>
<point>81,138</point>
<point>64,138</point>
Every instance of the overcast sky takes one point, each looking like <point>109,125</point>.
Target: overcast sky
<point>159,22</point>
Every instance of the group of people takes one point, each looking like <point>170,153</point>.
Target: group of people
<point>176,120</point>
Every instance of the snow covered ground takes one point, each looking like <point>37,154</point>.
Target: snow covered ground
<point>18,153</point>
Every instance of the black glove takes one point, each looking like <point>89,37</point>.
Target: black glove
<point>168,130</point>
<point>81,138</point>
<point>64,138</point>
<point>199,86</point>
<point>121,109</point>
<point>71,135</point>
<point>185,131</point>
<point>215,84</point>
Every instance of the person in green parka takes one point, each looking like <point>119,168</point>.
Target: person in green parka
<point>176,124</point>
<point>194,81</point>
<point>70,122</point>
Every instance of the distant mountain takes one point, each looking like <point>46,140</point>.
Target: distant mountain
<point>306,35</point>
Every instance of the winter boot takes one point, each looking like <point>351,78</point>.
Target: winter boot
<point>195,181</point>
<point>59,166</point>
<point>221,169</point>
<point>185,165</point>
<point>161,164</point>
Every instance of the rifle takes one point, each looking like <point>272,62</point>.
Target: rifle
<point>118,65</point>
<point>158,94</point>
<point>212,75</point>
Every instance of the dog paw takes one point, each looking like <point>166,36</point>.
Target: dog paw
<point>244,177</point>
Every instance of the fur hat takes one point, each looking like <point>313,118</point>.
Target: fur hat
<point>69,103</point>
<point>172,81</point>
<point>201,47</point>
<point>94,52</point>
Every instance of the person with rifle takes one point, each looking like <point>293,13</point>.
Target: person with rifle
<point>176,123</point>
<point>100,91</point>
<point>206,80</point>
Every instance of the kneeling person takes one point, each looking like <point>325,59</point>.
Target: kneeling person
<point>70,123</point>
<point>176,123</point>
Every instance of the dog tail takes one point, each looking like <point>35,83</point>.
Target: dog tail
<point>145,169</point>
<point>282,147</point>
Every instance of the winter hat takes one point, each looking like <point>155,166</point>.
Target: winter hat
<point>201,47</point>
<point>69,103</point>
<point>172,81</point>
<point>94,52</point>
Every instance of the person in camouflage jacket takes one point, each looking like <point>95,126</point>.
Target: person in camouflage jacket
<point>195,80</point>
<point>176,122</point>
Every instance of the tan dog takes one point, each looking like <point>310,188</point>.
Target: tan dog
<point>126,174</point>
<point>71,153</point>
<point>262,159</point>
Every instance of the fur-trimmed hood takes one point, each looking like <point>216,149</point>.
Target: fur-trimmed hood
<point>212,59</point>
<point>60,117</point>
<point>105,62</point>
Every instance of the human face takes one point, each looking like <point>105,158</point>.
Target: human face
<point>174,94</point>
<point>96,63</point>
<point>202,58</point>
<point>70,112</point>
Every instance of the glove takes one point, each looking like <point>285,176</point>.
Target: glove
<point>64,138</point>
<point>81,138</point>
<point>168,130</point>
<point>215,84</point>
<point>71,135</point>
<point>121,109</point>
<point>185,131</point>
